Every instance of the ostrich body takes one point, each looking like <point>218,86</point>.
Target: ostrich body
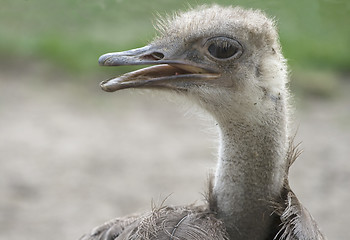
<point>229,62</point>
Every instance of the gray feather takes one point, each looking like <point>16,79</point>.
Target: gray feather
<point>171,223</point>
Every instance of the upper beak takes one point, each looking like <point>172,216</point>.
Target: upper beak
<point>170,71</point>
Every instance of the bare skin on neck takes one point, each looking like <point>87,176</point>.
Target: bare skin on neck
<point>251,166</point>
<point>248,178</point>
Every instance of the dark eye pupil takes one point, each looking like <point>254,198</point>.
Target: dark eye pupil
<point>222,49</point>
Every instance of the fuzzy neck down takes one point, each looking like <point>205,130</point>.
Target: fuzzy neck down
<point>251,171</point>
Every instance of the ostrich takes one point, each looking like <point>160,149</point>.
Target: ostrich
<point>228,61</point>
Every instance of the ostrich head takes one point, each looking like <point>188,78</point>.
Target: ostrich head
<point>226,59</point>
<point>229,61</point>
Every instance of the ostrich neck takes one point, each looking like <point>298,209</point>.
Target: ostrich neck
<point>250,174</point>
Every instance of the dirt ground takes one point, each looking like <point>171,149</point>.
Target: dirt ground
<point>72,156</point>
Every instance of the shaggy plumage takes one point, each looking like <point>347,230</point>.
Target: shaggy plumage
<point>229,62</point>
<point>164,223</point>
<point>291,220</point>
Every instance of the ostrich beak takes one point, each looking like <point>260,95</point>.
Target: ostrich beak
<point>168,72</point>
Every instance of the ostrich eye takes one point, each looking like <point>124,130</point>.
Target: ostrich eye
<point>223,48</point>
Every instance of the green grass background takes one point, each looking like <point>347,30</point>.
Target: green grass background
<point>71,34</point>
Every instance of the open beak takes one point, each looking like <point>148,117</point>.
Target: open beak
<point>167,72</point>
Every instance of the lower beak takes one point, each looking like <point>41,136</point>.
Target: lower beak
<point>172,72</point>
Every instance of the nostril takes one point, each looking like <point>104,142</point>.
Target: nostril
<point>153,56</point>
<point>157,55</point>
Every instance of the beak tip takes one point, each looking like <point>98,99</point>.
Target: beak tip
<point>103,86</point>
<point>106,87</point>
<point>102,60</point>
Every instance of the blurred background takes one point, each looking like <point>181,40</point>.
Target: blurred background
<point>72,156</point>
